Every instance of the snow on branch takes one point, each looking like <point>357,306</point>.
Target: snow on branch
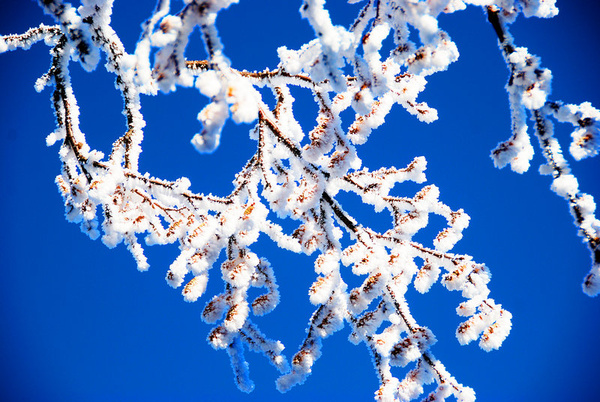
<point>298,175</point>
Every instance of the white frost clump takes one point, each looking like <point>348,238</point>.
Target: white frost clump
<point>213,117</point>
<point>531,81</point>
<point>209,83</point>
<point>565,185</point>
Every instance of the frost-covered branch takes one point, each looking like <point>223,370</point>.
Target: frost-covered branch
<point>298,176</point>
<point>528,88</point>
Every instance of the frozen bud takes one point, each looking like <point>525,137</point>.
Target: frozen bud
<point>219,338</point>
<point>321,289</point>
<point>591,283</point>
<point>236,316</point>
<point>214,309</point>
<point>565,185</point>
<point>265,303</point>
<point>426,277</point>
<point>586,141</point>
<point>195,288</point>
<point>494,335</point>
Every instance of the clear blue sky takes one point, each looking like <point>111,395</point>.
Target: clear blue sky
<point>80,323</point>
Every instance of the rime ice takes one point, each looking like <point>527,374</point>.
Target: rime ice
<point>296,175</point>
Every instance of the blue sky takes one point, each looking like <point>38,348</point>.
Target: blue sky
<point>79,322</point>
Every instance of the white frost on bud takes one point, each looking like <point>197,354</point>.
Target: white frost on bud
<point>591,283</point>
<point>212,117</point>
<point>565,185</point>
<point>195,288</point>
<point>208,83</point>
